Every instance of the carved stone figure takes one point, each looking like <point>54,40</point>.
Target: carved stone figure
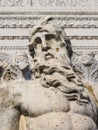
<point>4,61</point>
<point>14,67</point>
<point>56,98</point>
<point>85,65</point>
<point>8,72</point>
<point>21,60</point>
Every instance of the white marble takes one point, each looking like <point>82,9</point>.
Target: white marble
<point>49,5</point>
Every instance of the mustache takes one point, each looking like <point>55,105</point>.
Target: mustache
<point>61,69</point>
<point>49,55</point>
<point>48,70</point>
<point>65,71</point>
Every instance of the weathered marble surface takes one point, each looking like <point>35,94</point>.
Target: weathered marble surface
<point>53,97</point>
<point>49,6</point>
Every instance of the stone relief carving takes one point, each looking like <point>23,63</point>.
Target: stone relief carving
<point>61,5</point>
<point>11,3</point>
<point>14,48</point>
<point>4,63</point>
<point>22,61</point>
<point>56,97</point>
<point>67,21</point>
<point>85,64</point>
<point>14,67</point>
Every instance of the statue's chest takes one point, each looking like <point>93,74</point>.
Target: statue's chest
<point>39,100</point>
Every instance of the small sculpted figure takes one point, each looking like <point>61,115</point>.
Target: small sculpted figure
<point>56,98</point>
<point>85,65</point>
<point>14,67</point>
<point>8,72</point>
<point>21,61</point>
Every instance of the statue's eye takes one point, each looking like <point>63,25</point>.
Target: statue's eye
<point>50,36</point>
<point>38,40</point>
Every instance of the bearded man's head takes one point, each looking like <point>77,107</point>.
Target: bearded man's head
<point>48,41</point>
<point>51,51</point>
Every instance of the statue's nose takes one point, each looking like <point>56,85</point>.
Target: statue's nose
<point>44,45</point>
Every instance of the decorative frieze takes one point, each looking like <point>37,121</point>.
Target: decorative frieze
<point>69,21</point>
<point>13,48</point>
<point>73,22</point>
<point>70,37</point>
<point>43,3</point>
<point>85,64</point>
<point>13,37</point>
<point>11,66</point>
<point>83,37</point>
<point>90,48</point>
<point>11,3</point>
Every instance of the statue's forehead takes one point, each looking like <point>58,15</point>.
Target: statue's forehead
<point>48,28</point>
<point>42,33</point>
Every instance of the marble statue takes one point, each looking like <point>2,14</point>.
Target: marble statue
<point>56,98</point>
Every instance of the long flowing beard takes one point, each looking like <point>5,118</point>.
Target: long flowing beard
<point>68,83</point>
<point>63,78</point>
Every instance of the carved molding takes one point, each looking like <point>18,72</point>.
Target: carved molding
<point>70,37</point>
<point>13,48</point>
<point>67,6</point>
<point>83,37</point>
<point>69,21</point>
<point>76,48</point>
<point>13,37</point>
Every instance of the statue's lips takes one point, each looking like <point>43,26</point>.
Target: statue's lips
<point>48,56</point>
